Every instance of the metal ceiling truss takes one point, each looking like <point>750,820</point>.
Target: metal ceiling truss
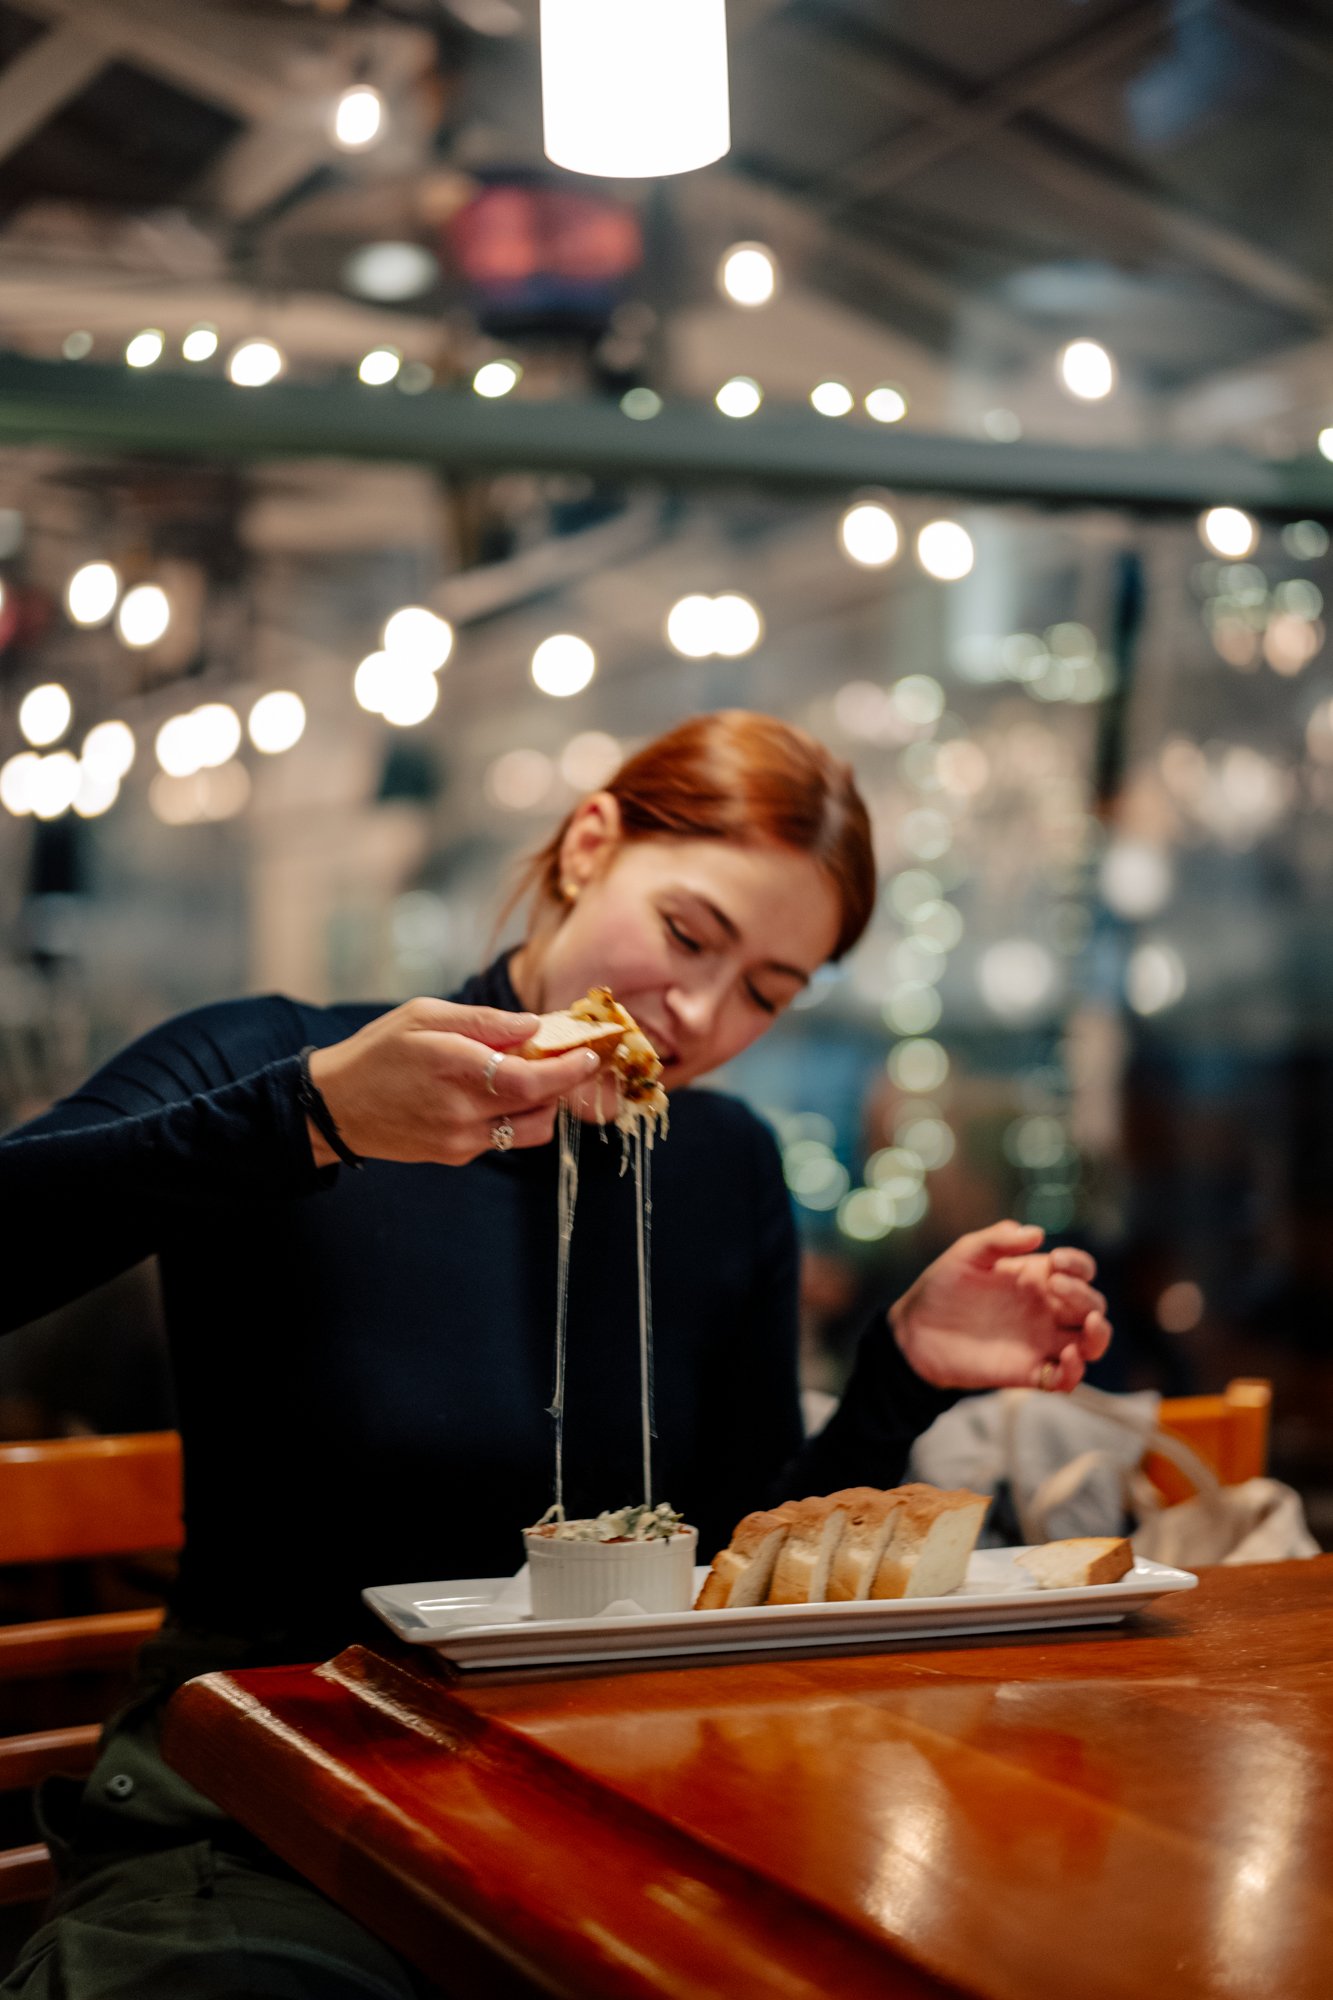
<point>1000,119</point>
<point>94,410</point>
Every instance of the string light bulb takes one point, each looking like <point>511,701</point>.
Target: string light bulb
<point>358,117</point>
<point>145,348</point>
<point>1229,532</point>
<point>1087,370</point>
<point>200,343</point>
<point>739,397</point>
<point>108,749</point>
<point>869,534</point>
<point>44,714</point>
<point>91,593</point>
<point>144,615</point>
<point>277,721</point>
<point>254,364</point>
<point>379,366</point>
<point>832,399</point>
<point>944,551</point>
<point>563,664</point>
<point>748,275</point>
<point>496,378</point>
<point>886,404</point>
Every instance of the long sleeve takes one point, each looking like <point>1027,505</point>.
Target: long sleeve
<point>754,1404</point>
<point>884,1409</point>
<point>200,1114</point>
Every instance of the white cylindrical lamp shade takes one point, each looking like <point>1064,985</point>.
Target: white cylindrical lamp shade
<point>635,88</point>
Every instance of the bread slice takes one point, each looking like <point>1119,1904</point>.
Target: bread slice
<point>870,1518</point>
<point>934,1533</point>
<point>1082,1560</point>
<point>800,1575</point>
<point>557,1034</point>
<point>741,1573</point>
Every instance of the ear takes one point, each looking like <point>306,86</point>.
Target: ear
<point>591,839</point>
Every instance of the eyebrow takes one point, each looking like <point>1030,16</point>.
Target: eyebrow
<point>725,923</point>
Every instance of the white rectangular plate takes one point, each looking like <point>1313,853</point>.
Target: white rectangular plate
<point>461,1618</point>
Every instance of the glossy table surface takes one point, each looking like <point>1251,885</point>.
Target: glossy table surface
<point>1138,1811</point>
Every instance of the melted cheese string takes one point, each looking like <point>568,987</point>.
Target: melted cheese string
<point>643,1197</point>
<point>638,1124</point>
<point>568,1129</point>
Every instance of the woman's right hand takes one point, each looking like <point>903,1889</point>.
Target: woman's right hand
<point>411,1085</point>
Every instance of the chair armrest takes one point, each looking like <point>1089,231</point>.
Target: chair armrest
<point>26,1874</point>
<point>26,1760</point>
<point>106,1640</point>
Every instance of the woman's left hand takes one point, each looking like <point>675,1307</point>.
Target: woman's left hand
<point>998,1312</point>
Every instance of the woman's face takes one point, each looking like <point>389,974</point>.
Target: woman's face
<point>704,941</point>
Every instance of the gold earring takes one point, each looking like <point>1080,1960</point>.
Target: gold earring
<point>570,891</point>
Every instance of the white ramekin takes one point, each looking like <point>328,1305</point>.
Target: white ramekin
<point>579,1579</point>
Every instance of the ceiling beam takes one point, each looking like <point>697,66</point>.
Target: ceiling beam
<point>280,77</point>
<point>199,49</point>
<point>43,77</point>
<point>93,410</point>
<point>889,276</point>
<point>960,119</point>
<point>264,164</point>
<point>1107,191</point>
<point>1293,31</point>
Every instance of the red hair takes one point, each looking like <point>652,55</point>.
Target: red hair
<point>735,775</point>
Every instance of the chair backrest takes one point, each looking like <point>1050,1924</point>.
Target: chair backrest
<point>64,1500</point>
<point>1229,1432</point>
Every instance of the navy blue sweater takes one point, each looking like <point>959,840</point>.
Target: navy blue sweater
<point>363,1360</point>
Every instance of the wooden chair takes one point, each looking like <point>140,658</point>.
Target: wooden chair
<point>62,1501</point>
<point>1229,1432</point>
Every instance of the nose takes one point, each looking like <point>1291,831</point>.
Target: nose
<point>693,1011</point>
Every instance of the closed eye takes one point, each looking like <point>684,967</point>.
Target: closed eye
<point>765,1005</point>
<point>682,937</point>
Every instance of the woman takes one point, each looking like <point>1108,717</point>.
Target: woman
<point>358,1273</point>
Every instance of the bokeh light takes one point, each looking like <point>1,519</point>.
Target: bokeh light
<point>277,721</point>
<point>748,274</point>
<point>739,397</point>
<point>563,665</point>
<point>944,550</point>
<point>45,713</point>
<point>1087,370</point>
<point>91,593</point>
<point>869,534</point>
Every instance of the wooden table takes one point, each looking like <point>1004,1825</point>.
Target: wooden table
<point>1143,1812</point>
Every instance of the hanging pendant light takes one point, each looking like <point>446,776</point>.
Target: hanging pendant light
<point>635,88</point>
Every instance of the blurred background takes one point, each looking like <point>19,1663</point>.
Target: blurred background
<point>368,486</point>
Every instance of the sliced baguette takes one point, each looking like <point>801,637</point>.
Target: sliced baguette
<point>558,1034</point>
<point>870,1517</point>
<point>934,1534</point>
<point>742,1572</point>
<point>800,1575</point>
<point>1084,1559</point>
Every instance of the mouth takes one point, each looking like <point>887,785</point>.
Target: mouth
<point>666,1054</point>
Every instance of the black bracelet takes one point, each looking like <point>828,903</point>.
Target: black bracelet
<point>309,1097</point>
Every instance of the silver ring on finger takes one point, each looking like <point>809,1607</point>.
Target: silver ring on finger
<point>489,1073</point>
<point>1050,1372</point>
<point>502,1135</point>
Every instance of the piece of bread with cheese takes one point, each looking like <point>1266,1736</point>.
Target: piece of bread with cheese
<point>1083,1560</point>
<point>599,1022</point>
<point>742,1572</point>
<point>934,1533</point>
<point>870,1514</point>
<point>558,1034</point>
<point>800,1575</point>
